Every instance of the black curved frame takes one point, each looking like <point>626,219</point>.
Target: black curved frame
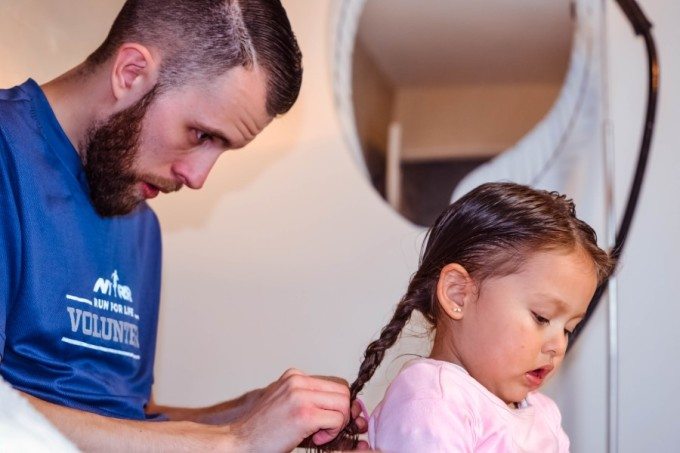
<point>642,27</point>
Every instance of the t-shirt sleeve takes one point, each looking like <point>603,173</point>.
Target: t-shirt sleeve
<point>424,425</point>
<point>9,241</point>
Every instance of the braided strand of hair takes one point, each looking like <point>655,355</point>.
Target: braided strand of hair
<point>373,356</point>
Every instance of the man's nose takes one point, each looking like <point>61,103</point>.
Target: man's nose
<point>193,170</point>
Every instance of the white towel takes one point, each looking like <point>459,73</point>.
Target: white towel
<point>24,429</point>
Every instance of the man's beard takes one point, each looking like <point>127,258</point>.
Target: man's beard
<point>110,152</point>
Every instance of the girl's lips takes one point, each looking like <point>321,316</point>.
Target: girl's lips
<point>536,377</point>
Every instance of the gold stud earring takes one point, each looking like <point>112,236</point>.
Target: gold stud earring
<point>457,309</point>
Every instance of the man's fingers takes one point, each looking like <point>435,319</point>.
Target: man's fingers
<point>362,424</point>
<point>300,380</point>
<point>324,401</point>
<point>320,404</point>
<point>332,422</point>
<point>335,379</point>
<point>359,417</point>
<point>355,409</point>
<point>291,372</point>
<point>331,416</point>
<point>322,437</point>
<point>347,446</point>
<point>363,445</point>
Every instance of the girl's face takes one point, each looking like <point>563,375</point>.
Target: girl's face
<point>514,334</point>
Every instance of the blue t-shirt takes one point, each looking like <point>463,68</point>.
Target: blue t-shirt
<point>79,293</point>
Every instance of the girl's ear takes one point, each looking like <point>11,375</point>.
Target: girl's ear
<point>455,289</point>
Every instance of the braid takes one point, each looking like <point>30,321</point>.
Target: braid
<point>375,352</point>
<point>415,299</point>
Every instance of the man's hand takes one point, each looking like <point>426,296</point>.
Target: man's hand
<point>276,418</point>
<point>324,436</point>
<point>296,407</point>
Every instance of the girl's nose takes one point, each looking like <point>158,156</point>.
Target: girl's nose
<point>556,344</point>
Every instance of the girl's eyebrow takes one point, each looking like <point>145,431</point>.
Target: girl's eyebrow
<point>562,306</point>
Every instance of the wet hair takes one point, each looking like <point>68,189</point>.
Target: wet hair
<point>491,232</point>
<point>202,39</point>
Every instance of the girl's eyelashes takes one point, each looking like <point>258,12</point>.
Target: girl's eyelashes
<point>569,333</point>
<point>546,322</point>
<point>540,319</point>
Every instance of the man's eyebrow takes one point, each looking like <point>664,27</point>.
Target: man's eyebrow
<point>215,133</point>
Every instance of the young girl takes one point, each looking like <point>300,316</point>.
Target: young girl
<point>505,278</point>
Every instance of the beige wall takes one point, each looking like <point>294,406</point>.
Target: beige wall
<point>42,38</point>
<point>465,121</point>
<point>440,122</point>
<point>373,97</point>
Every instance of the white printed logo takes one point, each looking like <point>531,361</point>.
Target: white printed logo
<point>96,321</point>
<point>106,286</point>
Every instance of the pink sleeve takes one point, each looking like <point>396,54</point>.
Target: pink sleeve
<point>423,425</point>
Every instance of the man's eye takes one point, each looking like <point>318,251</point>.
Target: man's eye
<point>202,137</point>
<point>540,319</point>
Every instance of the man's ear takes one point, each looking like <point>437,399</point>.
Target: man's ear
<point>455,289</point>
<point>134,73</point>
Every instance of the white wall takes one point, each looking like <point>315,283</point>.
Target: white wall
<point>288,258</point>
<point>648,280</point>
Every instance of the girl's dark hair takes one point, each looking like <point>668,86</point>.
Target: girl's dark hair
<point>201,39</point>
<point>490,231</point>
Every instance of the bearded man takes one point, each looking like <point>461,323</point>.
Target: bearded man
<point>174,85</point>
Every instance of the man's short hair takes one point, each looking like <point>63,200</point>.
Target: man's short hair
<point>201,39</point>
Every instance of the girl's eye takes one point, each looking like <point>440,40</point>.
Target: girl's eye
<point>540,319</point>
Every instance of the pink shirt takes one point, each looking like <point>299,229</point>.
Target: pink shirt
<point>434,406</point>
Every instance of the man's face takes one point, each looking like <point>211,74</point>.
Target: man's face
<point>166,141</point>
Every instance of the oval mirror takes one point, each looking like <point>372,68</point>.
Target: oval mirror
<point>439,87</point>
